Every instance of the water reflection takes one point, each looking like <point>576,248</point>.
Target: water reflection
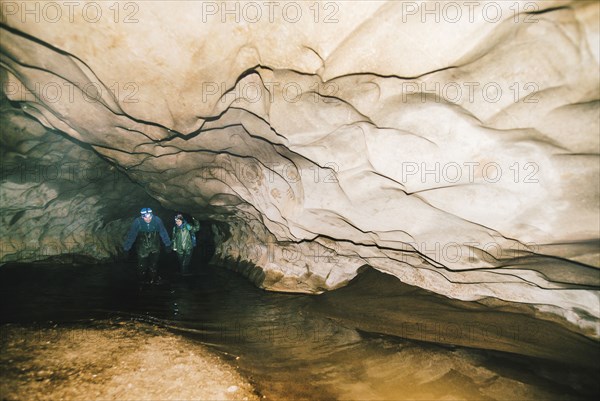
<point>291,346</point>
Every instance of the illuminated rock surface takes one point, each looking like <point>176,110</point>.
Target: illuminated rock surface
<point>59,197</point>
<point>460,157</point>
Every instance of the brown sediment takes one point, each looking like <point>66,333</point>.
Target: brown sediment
<point>107,360</point>
<point>379,303</point>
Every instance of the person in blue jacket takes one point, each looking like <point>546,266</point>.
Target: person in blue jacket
<point>146,229</point>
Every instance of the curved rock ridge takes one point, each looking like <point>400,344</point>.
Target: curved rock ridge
<point>458,154</point>
<point>60,201</point>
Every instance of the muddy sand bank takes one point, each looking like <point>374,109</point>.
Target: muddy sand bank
<point>113,360</point>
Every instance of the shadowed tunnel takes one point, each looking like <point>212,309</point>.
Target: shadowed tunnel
<point>414,182</point>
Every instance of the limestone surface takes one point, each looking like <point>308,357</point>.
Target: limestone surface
<point>452,145</point>
<point>60,200</point>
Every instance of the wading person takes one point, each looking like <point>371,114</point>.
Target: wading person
<point>146,229</point>
<point>184,241</point>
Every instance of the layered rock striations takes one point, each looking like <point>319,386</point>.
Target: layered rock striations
<point>60,200</point>
<point>455,149</point>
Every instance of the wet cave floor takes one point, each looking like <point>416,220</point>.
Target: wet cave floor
<point>113,360</point>
<point>92,332</point>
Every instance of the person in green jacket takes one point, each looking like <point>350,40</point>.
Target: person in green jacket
<point>184,241</point>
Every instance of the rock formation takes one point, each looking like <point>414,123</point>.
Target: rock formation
<point>60,200</point>
<point>452,145</point>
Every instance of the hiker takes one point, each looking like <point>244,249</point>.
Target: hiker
<point>147,229</point>
<point>184,241</point>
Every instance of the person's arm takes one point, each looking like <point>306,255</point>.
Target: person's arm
<point>163,232</point>
<point>195,225</point>
<point>131,235</point>
<point>173,246</point>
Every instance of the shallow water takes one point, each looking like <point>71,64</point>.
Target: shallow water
<point>295,346</point>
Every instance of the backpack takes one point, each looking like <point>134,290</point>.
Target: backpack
<point>192,235</point>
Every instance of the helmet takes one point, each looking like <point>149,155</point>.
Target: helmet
<point>179,216</point>
<point>145,211</point>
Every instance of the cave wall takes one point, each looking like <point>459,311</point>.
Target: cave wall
<point>456,154</point>
<point>60,201</point>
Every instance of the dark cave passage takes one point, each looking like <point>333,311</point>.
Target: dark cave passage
<point>396,200</point>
